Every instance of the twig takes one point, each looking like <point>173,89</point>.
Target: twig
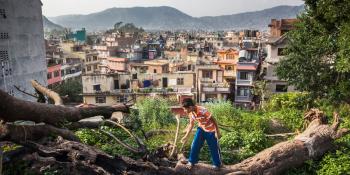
<point>24,92</point>
<point>176,136</point>
<point>142,147</point>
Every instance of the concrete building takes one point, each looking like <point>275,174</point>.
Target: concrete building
<point>246,73</point>
<point>22,46</point>
<point>280,27</point>
<point>210,83</point>
<point>275,46</point>
<point>105,89</point>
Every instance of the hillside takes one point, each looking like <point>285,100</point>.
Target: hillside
<point>168,18</point>
<point>48,25</point>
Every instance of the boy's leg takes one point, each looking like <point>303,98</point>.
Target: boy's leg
<point>214,148</point>
<point>196,146</point>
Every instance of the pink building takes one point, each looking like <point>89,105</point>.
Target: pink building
<point>54,74</point>
<point>117,64</point>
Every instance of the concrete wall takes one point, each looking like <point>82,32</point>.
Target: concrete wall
<point>23,52</point>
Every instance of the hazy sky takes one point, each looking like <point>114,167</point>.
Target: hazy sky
<point>192,7</point>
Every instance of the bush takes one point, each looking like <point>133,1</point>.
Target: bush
<point>154,113</point>
<point>290,100</point>
<point>291,118</point>
<point>223,111</point>
<point>335,163</point>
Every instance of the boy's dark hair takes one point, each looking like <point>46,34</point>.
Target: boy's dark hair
<point>187,102</point>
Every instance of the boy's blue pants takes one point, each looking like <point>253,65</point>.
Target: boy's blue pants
<point>198,142</point>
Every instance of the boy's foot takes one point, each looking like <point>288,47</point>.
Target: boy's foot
<point>189,165</point>
<point>215,168</point>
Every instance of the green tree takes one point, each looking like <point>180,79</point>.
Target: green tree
<point>318,54</point>
<point>71,89</point>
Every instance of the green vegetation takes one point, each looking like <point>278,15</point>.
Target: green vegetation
<point>244,133</point>
<point>317,56</point>
<point>71,89</point>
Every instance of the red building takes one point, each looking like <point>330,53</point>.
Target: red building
<point>54,74</point>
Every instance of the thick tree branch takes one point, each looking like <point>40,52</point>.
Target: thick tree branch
<point>13,109</point>
<point>47,92</point>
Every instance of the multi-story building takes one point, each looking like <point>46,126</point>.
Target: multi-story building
<point>275,52</point>
<point>210,83</point>
<point>74,55</point>
<point>92,63</point>
<point>246,73</point>
<point>106,89</point>
<point>22,52</point>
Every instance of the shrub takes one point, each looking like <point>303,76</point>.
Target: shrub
<point>154,113</point>
<point>223,111</point>
<point>290,100</point>
<point>335,163</point>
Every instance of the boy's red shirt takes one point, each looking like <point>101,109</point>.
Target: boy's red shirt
<point>203,117</point>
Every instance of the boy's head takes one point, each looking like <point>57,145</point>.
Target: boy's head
<point>188,105</point>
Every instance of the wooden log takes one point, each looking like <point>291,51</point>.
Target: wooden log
<point>12,109</point>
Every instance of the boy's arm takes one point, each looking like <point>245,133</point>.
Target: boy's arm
<point>189,129</point>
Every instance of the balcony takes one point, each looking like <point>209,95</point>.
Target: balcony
<point>244,82</point>
<point>68,76</point>
<point>229,73</point>
<point>216,88</point>
<point>243,98</point>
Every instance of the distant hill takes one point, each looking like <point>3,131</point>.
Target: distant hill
<point>48,25</point>
<point>168,18</point>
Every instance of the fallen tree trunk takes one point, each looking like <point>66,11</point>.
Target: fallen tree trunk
<point>12,109</point>
<point>68,157</point>
<point>22,133</point>
<point>313,143</point>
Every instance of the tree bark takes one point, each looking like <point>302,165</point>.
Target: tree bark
<point>12,109</point>
<point>313,143</point>
<point>70,157</point>
<point>47,92</point>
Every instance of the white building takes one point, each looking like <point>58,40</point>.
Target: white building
<point>22,46</point>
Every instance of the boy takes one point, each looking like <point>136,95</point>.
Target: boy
<point>207,130</point>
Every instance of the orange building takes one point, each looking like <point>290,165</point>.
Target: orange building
<point>227,60</point>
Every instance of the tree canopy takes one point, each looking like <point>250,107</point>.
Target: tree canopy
<point>318,54</point>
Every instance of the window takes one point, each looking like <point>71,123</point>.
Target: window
<point>88,68</point>
<point>62,72</point>
<point>49,75</point>
<point>94,58</point>
<point>280,52</point>
<point>207,74</point>
<point>97,87</point>
<point>95,67</point>
<point>56,73</point>
<point>100,99</point>
<point>4,35</point>
<point>180,81</point>
<point>155,71</point>
<point>243,91</point>
<point>116,84</point>
<point>121,99</point>
<point>243,75</point>
<point>281,88</point>
<point>134,76</point>
<point>3,13</point>
<point>228,67</point>
<point>4,55</point>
